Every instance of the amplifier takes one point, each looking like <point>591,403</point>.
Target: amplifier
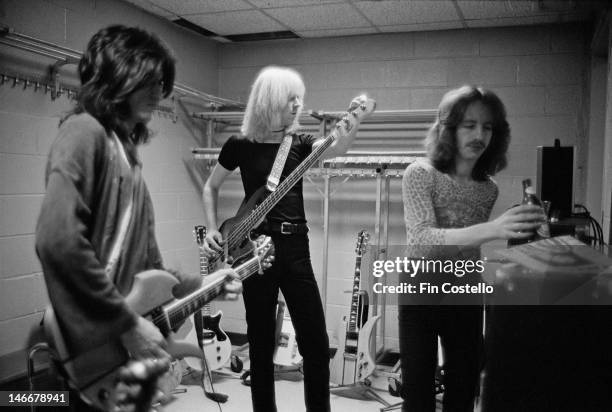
<point>555,178</point>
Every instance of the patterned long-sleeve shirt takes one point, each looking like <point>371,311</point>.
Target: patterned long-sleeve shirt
<point>434,202</point>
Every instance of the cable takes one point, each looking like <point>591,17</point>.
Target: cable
<point>198,324</point>
<point>215,396</point>
<point>597,238</point>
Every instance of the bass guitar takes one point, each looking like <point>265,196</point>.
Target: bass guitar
<point>354,360</point>
<point>94,373</point>
<point>236,230</point>
<point>215,343</point>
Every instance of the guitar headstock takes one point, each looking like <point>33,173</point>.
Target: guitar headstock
<point>362,242</point>
<point>264,250</point>
<point>199,232</point>
<point>360,107</point>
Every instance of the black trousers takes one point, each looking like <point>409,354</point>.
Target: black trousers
<point>292,273</point>
<point>460,331</point>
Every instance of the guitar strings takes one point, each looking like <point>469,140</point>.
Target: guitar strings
<point>283,188</point>
<point>240,231</point>
<point>243,272</point>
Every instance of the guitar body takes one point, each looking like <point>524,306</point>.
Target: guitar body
<point>348,368</point>
<point>217,349</point>
<point>366,352</point>
<point>286,352</point>
<point>216,345</point>
<point>242,248</point>
<point>95,372</point>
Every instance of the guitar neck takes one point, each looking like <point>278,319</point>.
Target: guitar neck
<point>204,273</point>
<point>354,310</point>
<point>180,309</point>
<point>243,229</point>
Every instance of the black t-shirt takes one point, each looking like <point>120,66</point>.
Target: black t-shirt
<point>255,161</point>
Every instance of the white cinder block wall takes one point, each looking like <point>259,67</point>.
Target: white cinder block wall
<point>539,72</point>
<point>29,124</point>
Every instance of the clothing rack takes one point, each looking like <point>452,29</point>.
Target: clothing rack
<point>64,55</point>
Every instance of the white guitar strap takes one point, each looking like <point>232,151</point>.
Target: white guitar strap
<point>124,222</point>
<point>279,163</point>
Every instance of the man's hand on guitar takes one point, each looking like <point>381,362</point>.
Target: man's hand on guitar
<point>357,101</point>
<point>213,242</point>
<point>144,341</point>
<point>137,385</point>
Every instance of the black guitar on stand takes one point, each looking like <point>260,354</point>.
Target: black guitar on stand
<point>354,361</point>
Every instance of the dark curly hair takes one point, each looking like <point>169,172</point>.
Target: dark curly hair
<point>118,61</point>
<point>441,141</point>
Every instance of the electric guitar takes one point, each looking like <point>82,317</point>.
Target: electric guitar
<point>215,343</point>
<point>286,352</point>
<point>94,372</point>
<point>236,230</point>
<point>354,360</point>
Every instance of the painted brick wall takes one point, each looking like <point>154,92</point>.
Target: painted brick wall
<point>539,72</point>
<point>29,123</point>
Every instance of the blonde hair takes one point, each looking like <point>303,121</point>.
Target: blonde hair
<point>269,96</point>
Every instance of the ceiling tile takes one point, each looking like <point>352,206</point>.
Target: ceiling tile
<point>236,22</point>
<point>408,12</point>
<point>266,4</point>
<point>337,32</point>
<point>152,8</point>
<point>183,7</point>
<point>328,16</point>
<point>443,25</point>
<point>481,9</point>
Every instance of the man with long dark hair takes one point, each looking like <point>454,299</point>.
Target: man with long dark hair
<point>96,227</point>
<point>448,199</point>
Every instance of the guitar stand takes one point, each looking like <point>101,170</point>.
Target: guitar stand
<point>359,390</point>
<point>206,373</point>
<point>212,394</point>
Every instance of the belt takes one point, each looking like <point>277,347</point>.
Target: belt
<point>284,228</point>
